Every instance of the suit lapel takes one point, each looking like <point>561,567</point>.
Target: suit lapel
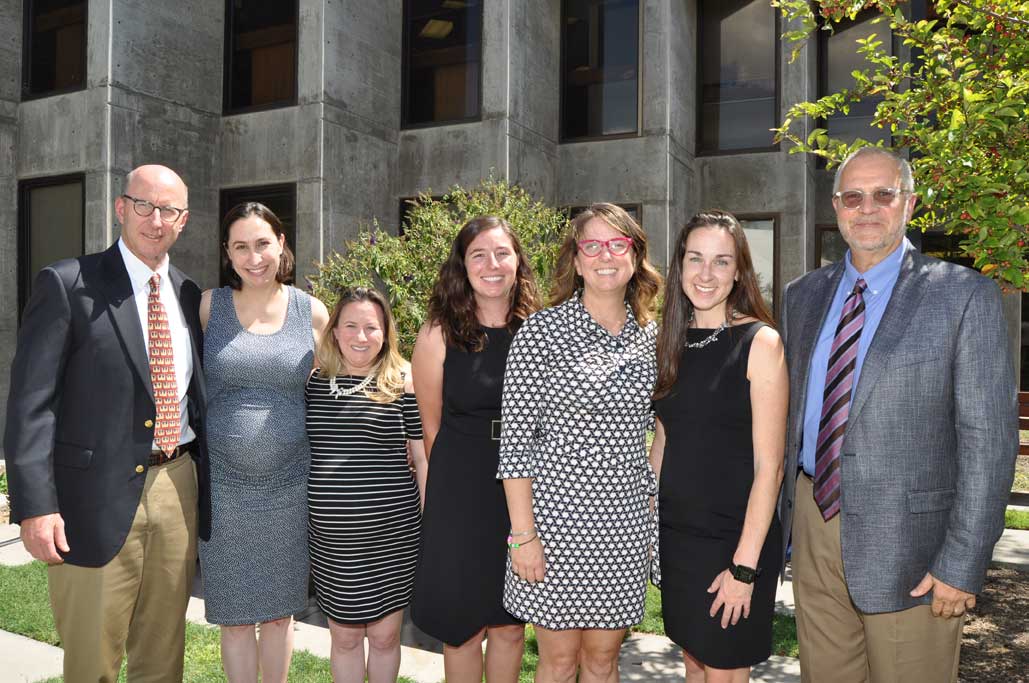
<point>906,297</point>
<point>124,313</point>
<point>815,309</point>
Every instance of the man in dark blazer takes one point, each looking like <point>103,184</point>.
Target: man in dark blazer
<point>104,441</point>
<point>902,425</point>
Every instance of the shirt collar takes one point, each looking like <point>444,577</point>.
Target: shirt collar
<point>879,276</point>
<point>139,272</point>
<point>587,320</point>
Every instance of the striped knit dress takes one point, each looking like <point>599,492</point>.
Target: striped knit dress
<point>363,500</point>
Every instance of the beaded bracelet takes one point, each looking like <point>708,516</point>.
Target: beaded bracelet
<point>521,533</point>
<point>515,546</point>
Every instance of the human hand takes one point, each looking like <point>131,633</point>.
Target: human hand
<point>948,601</point>
<point>43,536</point>
<point>527,561</point>
<point>733,595</point>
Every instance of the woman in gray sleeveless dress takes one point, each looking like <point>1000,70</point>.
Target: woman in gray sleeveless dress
<point>259,342</point>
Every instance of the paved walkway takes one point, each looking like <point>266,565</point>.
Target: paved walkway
<point>644,657</point>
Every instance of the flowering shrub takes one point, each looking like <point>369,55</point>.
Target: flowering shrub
<point>405,267</point>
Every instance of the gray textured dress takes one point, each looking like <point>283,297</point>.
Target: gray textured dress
<point>255,566</point>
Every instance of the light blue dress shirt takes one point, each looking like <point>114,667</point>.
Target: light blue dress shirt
<point>880,279</point>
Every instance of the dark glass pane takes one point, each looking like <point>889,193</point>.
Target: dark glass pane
<point>831,246</point>
<point>56,46</point>
<point>261,55</point>
<point>281,199</point>
<point>841,59</point>
<point>52,227</point>
<point>946,248</point>
<point>761,240</point>
<point>442,60</point>
<point>737,69</point>
<point>600,70</point>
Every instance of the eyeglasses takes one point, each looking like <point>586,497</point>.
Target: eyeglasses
<point>616,246</point>
<point>169,214</point>
<point>883,196</point>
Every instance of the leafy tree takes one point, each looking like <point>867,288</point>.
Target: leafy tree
<point>961,104</point>
<point>405,267</point>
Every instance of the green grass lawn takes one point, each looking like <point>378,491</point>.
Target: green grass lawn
<point>25,609</point>
<point>1016,519</point>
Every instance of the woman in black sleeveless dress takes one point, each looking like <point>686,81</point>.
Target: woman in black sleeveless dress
<point>721,401</point>
<point>484,291</point>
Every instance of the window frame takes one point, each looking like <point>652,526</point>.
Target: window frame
<point>405,73</point>
<point>561,139</point>
<point>776,219</point>
<point>775,146</point>
<point>26,57</point>
<point>821,228</point>
<point>256,193</point>
<point>25,188</point>
<point>227,66</point>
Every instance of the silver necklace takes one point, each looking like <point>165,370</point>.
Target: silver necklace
<point>711,338</point>
<point>337,392</point>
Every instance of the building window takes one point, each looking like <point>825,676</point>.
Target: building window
<point>739,75</point>
<point>54,43</point>
<point>260,54</point>
<point>600,69</point>
<point>635,212</point>
<point>829,245</point>
<point>838,58</point>
<point>763,238</point>
<point>281,199</point>
<point>51,226</point>
<point>442,61</point>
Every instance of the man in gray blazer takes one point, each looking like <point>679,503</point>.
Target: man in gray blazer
<point>902,436</point>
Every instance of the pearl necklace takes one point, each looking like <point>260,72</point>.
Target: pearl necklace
<point>337,392</point>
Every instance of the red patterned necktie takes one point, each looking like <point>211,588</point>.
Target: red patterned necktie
<point>162,372</point>
<point>839,382</point>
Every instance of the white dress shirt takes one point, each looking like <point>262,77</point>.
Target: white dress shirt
<point>139,276</point>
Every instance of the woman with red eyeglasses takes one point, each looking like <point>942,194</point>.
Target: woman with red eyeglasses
<point>576,407</point>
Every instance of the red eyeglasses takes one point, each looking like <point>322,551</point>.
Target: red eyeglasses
<point>616,246</point>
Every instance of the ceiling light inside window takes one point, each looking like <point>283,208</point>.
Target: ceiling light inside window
<point>436,29</point>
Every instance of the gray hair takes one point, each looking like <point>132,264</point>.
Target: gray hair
<point>907,180</point>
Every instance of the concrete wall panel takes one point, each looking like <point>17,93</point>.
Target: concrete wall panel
<point>274,146</point>
<point>10,50</point>
<point>59,134</point>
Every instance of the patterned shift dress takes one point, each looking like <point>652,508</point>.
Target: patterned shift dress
<point>363,500</point>
<point>577,404</point>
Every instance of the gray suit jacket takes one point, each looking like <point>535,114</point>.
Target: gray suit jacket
<point>928,455</point>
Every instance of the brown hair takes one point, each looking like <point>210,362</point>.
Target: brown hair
<point>452,303</point>
<point>640,292</point>
<point>390,366</point>
<point>744,298</point>
<point>245,210</point>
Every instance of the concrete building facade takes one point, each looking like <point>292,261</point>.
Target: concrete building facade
<point>154,87</point>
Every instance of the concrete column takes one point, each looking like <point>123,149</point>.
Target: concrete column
<point>10,93</point>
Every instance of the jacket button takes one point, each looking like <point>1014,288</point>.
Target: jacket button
<point>148,424</point>
<point>139,469</point>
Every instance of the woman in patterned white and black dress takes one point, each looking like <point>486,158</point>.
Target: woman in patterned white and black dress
<point>573,456</point>
<point>365,505</point>
<point>484,291</point>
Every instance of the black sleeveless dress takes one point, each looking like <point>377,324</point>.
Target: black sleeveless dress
<point>459,585</point>
<point>706,476</point>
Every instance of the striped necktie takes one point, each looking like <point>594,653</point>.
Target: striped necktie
<point>839,382</point>
<point>167,431</point>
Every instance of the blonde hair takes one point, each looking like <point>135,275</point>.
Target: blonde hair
<point>390,367</point>
<point>641,291</point>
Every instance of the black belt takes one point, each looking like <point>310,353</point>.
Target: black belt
<point>160,457</point>
<point>473,426</point>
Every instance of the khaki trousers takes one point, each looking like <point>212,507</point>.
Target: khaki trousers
<point>136,603</point>
<point>840,644</point>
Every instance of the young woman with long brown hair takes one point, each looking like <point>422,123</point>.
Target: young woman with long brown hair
<point>577,399</point>
<point>484,291</point>
<point>721,400</point>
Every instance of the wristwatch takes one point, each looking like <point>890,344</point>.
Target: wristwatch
<point>743,574</point>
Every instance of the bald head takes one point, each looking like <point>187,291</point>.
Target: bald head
<point>155,175</point>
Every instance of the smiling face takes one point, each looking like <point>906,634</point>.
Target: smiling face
<point>148,237</point>
<point>709,269</point>
<point>491,264</point>
<point>604,273</point>
<point>254,250</point>
<point>872,231</point>
<point>360,334</point>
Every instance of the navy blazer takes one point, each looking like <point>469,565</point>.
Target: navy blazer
<point>81,400</point>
